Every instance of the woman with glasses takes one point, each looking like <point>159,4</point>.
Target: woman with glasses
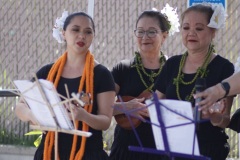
<point>134,80</point>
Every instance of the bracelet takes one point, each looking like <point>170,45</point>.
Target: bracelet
<point>217,124</point>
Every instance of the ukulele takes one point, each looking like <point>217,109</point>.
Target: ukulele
<point>82,99</point>
<point>122,120</point>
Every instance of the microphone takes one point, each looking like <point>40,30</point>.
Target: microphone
<point>200,86</point>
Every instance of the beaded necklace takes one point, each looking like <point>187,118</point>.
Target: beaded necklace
<point>201,72</point>
<point>139,66</point>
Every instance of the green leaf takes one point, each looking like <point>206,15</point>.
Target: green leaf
<point>33,133</point>
<point>38,141</point>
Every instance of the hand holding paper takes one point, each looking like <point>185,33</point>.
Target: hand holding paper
<point>46,106</point>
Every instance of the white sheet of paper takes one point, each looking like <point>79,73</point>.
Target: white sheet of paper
<point>38,105</point>
<point>180,138</point>
<point>58,108</point>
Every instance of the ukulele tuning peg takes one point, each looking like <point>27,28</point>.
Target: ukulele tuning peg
<point>81,94</point>
<point>89,95</point>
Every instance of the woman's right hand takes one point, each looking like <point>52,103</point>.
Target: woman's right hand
<point>32,118</point>
<point>138,107</point>
<point>209,96</point>
<point>216,108</point>
<point>24,113</point>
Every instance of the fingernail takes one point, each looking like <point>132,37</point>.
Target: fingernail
<point>211,110</point>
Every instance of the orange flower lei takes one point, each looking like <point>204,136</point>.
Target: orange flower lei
<point>87,80</point>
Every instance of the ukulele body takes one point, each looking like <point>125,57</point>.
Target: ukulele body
<point>123,120</point>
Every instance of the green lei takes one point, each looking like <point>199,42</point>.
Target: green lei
<point>201,72</point>
<point>139,66</point>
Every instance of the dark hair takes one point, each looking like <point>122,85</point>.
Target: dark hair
<point>162,19</point>
<point>207,10</point>
<point>71,16</point>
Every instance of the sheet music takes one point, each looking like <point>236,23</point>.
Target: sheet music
<point>38,105</point>
<point>180,138</point>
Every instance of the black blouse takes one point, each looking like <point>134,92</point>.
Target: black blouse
<point>103,82</point>
<point>218,69</point>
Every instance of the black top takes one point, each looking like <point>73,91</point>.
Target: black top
<point>103,82</point>
<point>218,69</point>
<point>130,84</point>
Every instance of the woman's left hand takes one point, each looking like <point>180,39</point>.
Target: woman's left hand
<point>76,112</point>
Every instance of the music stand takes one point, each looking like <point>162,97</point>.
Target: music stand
<point>42,95</point>
<point>163,129</point>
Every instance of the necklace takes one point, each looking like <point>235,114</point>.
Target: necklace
<point>139,66</point>
<point>201,72</point>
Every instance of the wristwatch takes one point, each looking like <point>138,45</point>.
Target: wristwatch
<point>226,88</point>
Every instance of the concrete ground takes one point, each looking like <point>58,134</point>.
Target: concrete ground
<point>8,152</point>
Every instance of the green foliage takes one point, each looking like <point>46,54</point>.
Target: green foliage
<point>39,138</point>
<point>7,137</point>
<point>33,133</point>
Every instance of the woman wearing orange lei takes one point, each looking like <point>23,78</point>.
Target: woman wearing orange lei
<point>80,72</point>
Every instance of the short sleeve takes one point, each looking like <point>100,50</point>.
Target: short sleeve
<point>103,79</point>
<point>160,83</point>
<point>120,70</point>
<point>42,73</point>
<point>167,74</point>
<point>227,70</point>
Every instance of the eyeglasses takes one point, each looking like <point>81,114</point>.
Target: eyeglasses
<point>150,33</point>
